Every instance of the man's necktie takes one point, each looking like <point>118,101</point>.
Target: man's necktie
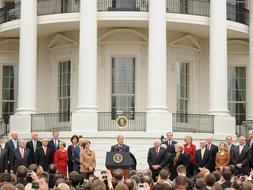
<point>34,146</point>
<point>22,153</point>
<point>156,153</point>
<point>55,145</point>
<point>45,150</point>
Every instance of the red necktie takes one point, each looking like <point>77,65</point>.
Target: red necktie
<point>156,153</point>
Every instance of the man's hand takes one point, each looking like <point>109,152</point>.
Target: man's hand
<point>239,165</point>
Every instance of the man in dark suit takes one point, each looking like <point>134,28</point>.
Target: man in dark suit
<point>20,156</point>
<point>32,145</point>
<point>3,160</point>
<point>156,158</point>
<point>230,144</point>
<point>202,157</point>
<point>170,143</point>
<point>120,147</point>
<point>54,143</point>
<point>169,157</point>
<point>10,145</point>
<point>249,143</point>
<point>213,149</point>
<point>44,155</point>
<point>240,157</point>
<point>76,155</point>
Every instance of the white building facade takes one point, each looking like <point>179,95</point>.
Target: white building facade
<point>79,65</point>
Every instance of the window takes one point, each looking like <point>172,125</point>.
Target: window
<point>9,90</point>
<point>182,90</point>
<point>123,86</point>
<point>237,93</point>
<point>123,4</point>
<point>64,70</point>
<point>65,6</point>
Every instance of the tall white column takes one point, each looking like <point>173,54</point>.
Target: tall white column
<point>158,115</point>
<point>27,58</point>
<point>218,58</point>
<point>87,89</point>
<point>250,66</point>
<point>27,67</point>
<point>224,124</point>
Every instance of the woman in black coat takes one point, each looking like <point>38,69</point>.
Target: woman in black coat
<point>74,142</point>
<point>178,159</point>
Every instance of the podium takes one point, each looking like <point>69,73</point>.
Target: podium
<point>118,160</point>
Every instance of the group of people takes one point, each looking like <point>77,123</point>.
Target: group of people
<point>77,157</point>
<point>171,165</point>
<point>209,157</point>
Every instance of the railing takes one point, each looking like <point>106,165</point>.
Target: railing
<point>108,121</point>
<point>123,5</point>
<point>47,7</point>
<point>193,123</point>
<point>10,13</point>
<point>47,122</point>
<point>202,8</point>
<point>244,128</point>
<point>191,7</point>
<point>237,14</point>
<point>4,127</point>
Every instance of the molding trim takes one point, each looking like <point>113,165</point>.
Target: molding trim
<point>179,43</point>
<point>59,37</point>
<point>123,30</point>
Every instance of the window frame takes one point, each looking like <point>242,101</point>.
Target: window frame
<point>64,114</point>
<point>129,113</point>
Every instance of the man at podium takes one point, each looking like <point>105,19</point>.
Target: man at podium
<point>120,147</point>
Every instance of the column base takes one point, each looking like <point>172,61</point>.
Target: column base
<point>219,112</point>
<point>84,122</point>
<point>224,124</point>
<point>25,111</point>
<point>159,122</point>
<point>21,123</point>
<point>250,117</point>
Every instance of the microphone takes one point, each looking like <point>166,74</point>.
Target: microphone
<point>162,138</point>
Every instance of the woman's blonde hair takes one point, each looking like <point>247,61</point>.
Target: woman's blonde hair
<point>85,142</point>
<point>225,146</point>
<point>62,143</point>
<point>187,137</point>
<point>180,147</point>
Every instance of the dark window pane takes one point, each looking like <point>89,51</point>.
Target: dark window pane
<point>123,84</point>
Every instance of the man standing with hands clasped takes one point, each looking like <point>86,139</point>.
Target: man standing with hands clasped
<point>32,145</point>
<point>54,143</point>
<point>240,157</point>
<point>156,158</point>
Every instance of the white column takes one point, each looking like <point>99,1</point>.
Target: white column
<point>250,66</point>
<point>87,89</point>
<point>218,105</point>
<point>218,58</point>
<point>27,66</point>
<point>158,115</point>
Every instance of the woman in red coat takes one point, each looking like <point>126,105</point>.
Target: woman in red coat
<point>61,158</point>
<point>190,149</point>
